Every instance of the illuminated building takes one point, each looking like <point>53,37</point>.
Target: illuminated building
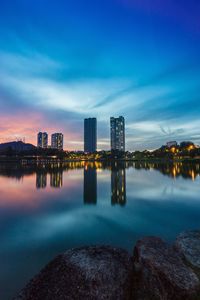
<point>118,186</point>
<point>90,185</point>
<point>90,135</point>
<point>117,133</point>
<point>57,141</point>
<point>187,145</point>
<point>172,144</point>
<point>42,140</point>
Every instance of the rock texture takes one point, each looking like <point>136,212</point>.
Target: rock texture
<point>188,244</point>
<point>83,273</point>
<point>161,273</point>
<point>157,271</point>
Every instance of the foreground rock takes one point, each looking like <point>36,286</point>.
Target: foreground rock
<point>83,273</point>
<point>161,273</point>
<point>156,271</point>
<point>188,244</point>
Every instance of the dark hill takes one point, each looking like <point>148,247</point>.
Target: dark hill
<point>16,146</point>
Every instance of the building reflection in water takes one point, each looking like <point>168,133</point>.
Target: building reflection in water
<point>172,169</point>
<point>90,185</point>
<point>41,180</point>
<point>185,170</point>
<point>56,179</point>
<point>118,186</point>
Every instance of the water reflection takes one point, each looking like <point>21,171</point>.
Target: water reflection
<point>118,176</point>
<point>41,180</point>
<point>90,185</point>
<point>41,205</point>
<point>174,170</point>
<point>56,179</point>
<point>118,173</point>
<point>118,186</point>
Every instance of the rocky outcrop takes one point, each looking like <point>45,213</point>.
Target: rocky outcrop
<point>188,244</point>
<point>161,273</point>
<point>157,271</point>
<point>83,273</point>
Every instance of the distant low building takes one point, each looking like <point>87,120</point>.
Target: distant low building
<point>42,140</point>
<point>57,140</point>
<point>186,144</point>
<point>172,144</point>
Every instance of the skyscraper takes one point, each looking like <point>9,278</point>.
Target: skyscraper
<point>90,135</point>
<point>42,140</point>
<point>57,141</point>
<point>117,133</point>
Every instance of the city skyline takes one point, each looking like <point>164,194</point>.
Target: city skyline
<point>90,139</point>
<point>99,149</point>
<point>145,67</point>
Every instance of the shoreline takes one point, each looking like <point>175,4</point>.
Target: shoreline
<point>35,160</point>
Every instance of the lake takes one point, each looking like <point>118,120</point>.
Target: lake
<point>46,209</point>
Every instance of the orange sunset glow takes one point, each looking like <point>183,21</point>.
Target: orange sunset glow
<point>27,126</point>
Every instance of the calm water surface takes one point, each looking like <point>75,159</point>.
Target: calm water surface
<point>45,210</point>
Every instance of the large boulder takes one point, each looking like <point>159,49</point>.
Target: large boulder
<point>188,244</point>
<point>84,273</point>
<point>161,273</point>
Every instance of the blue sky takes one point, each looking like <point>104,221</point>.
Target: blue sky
<point>62,61</point>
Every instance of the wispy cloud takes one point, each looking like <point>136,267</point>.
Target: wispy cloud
<point>86,63</point>
<point>147,107</point>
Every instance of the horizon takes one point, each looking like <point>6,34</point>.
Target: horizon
<point>101,150</point>
<point>121,56</point>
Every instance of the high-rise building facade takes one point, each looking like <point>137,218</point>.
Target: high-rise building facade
<point>90,135</point>
<point>42,140</point>
<point>57,141</point>
<point>117,133</point>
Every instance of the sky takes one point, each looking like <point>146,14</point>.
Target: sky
<point>64,60</point>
